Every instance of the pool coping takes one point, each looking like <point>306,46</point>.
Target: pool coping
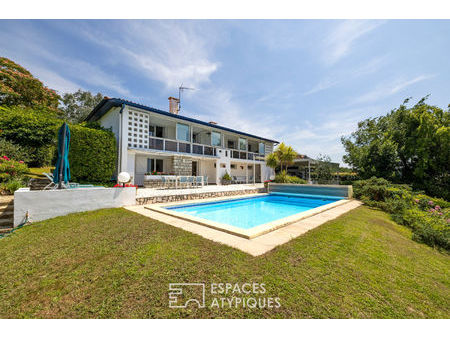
<point>256,231</point>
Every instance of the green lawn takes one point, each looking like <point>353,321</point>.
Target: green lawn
<point>115,263</point>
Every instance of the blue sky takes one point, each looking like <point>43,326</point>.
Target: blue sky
<point>304,82</point>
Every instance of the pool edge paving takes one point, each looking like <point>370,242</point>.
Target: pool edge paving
<point>261,240</point>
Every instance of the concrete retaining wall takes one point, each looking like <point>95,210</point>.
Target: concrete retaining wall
<point>44,204</point>
<point>313,189</point>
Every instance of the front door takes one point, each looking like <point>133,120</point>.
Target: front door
<point>194,168</point>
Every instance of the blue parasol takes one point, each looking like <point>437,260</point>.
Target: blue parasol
<point>62,170</point>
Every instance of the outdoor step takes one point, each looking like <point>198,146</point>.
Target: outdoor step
<point>7,214</point>
<point>5,230</point>
<point>6,221</point>
<point>6,207</point>
<point>6,200</point>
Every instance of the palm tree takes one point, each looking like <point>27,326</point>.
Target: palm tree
<point>282,156</point>
<point>272,161</point>
<point>288,156</point>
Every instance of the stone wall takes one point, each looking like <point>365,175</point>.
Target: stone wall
<point>195,196</point>
<point>182,166</point>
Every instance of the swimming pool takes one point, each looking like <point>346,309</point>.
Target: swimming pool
<point>250,216</point>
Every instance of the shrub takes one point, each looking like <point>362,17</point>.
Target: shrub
<point>226,177</point>
<point>283,177</point>
<point>12,174</point>
<point>33,130</point>
<point>10,186</point>
<point>429,218</point>
<point>13,151</point>
<point>11,169</point>
<point>92,154</point>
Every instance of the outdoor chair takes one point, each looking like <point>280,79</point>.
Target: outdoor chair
<point>183,182</point>
<point>205,180</point>
<point>198,181</point>
<point>191,181</point>
<point>51,185</point>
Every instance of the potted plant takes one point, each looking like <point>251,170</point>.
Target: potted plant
<point>226,179</point>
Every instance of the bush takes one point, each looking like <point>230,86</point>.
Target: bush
<point>13,151</point>
<point>92,154</point>
<point>9,187</point>
<point>283,177</point>
<point>429,218</point>
<point>33,130</point>
<point>12,175</point>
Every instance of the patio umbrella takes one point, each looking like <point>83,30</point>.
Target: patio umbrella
<point>62,170</point>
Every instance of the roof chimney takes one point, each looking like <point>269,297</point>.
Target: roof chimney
<point>174,105</point>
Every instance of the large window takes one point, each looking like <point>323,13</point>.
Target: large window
<point>216,139</point>
<point>154,165</point>
<point>183,132</point>
<point>242,144</point>
<point>262,148</point>
<point>155,131</point>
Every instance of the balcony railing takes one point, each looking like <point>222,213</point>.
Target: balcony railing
<point>244,155</point>
<point>158,143</point>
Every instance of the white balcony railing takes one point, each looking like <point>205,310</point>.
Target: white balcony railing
<point>163,144</point>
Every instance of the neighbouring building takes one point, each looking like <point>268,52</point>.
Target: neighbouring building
<point>151,140</point>
<point>304,167</point>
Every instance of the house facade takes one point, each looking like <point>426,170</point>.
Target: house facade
<point>152,140</point>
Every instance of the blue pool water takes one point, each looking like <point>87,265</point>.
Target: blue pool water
<point>246,213</point>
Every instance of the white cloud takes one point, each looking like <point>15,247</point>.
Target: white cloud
<point>49,63</point>
<point>344,75</point>
<point>171,52</point>
<point>343,37</point>
<point>388,89</point>
<point>53,80</point>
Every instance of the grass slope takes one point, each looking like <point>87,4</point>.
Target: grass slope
<point>115,263</point>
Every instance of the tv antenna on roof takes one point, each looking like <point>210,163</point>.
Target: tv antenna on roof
<point>180,89</point>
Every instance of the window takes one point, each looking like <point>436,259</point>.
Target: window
<point>230,144</point>
<point>242,144</point>
<point>155,165</point>
<point>262,148</point>
<point>183,132</point>
<point>216,139</point>
<point>155,131</point>
<point>233,166</point>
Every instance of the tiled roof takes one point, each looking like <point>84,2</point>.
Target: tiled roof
<point>107,103</point>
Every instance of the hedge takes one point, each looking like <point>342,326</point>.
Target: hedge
<point>33,130</point>
<point>92,154</point>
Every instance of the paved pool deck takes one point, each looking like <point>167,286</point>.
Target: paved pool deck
<point>258,245</point>
<point>152,192</point>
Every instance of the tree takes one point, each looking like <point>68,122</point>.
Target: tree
<point>324,169</point>
<point>408,145</point>
<point>18,87</point>
<point>281,157</point>
<point>76,106</point>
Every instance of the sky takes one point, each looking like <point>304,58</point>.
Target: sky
<point>303,82</point>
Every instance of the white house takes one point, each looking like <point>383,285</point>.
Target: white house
<point>150,140</point>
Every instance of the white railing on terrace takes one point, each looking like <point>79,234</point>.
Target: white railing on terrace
<point>164,144</point>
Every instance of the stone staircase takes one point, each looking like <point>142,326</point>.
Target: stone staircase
<point>6,213</point>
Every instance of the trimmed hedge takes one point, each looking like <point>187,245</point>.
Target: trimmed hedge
<point>92,154</point>
<point>33,130</point>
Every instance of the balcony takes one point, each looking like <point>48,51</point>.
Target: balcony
<point>183,147</point>
<point>157,143</point>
